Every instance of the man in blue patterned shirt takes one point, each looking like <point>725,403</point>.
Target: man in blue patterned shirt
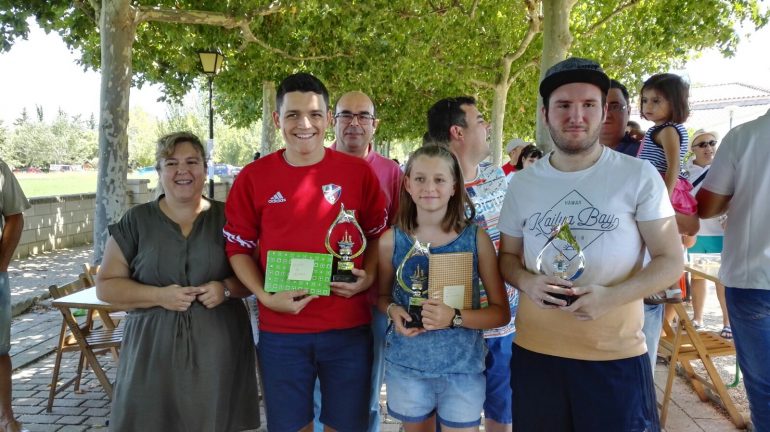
<point>457,123</point>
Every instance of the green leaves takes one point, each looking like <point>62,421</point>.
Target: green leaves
<point>405,53</point>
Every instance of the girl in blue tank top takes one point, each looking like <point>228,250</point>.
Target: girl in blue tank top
<point>664,101</point>
<point>435,372</point>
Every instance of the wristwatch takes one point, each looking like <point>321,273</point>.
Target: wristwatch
<point>457,321</point>
<point>227,291</point>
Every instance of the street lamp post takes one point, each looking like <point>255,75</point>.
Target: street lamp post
<point>211,63</point>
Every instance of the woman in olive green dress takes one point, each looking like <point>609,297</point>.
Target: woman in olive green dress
<point>187,360</point>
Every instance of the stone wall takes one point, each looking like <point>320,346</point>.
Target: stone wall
<point>64,221</point>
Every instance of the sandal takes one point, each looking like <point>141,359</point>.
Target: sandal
<point>726,332</point>
<point>697,325</point>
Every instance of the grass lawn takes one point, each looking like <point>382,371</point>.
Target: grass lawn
<point>66,183</point>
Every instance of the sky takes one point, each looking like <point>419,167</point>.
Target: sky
<point>42,71</point>
<point>750,65</point>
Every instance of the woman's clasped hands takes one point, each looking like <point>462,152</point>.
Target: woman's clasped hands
<point>178,298</point>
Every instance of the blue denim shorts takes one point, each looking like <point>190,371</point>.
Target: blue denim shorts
<point>342,361</point>
<point>5,314</point>
<point>497,405</point>
<point>456,398</point>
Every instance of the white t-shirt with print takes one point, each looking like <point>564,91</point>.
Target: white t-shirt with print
<point>603,205</point>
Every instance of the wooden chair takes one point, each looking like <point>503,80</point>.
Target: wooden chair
<point>89,272</point>
<point>683,345</point>
<point>83,338</point>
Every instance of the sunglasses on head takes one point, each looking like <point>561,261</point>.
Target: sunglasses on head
<point>703,144</point>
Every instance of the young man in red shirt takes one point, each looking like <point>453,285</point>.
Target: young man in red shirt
<point>286,201</point>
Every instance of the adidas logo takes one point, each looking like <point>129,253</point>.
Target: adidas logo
<point>277,198</point>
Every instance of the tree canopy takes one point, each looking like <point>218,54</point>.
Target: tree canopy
<point>404,53</point>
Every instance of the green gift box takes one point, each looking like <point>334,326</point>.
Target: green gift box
<point>291,271</point>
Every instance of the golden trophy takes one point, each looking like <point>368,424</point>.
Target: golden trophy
<point>345,255</point>
<point>416,258</point>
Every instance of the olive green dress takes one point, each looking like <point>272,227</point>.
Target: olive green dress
<point>182,371</point>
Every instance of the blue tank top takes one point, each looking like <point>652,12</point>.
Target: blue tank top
<point>436,352</point>
<point>655,153</point>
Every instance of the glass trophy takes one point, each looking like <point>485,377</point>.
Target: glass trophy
<point>562,257</point>
<point>344,254</point>
<point>415,263</point>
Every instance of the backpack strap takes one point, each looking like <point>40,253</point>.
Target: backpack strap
<point>700,177</point>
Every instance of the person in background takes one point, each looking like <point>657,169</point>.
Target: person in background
<point>12,204</point>
<point>529,155</point>
<point>634,130</point>
<point>187,359</point>
<point>711,234</point>
<point>457,124</point>
<point>513,149</point>
<point>613,133</point>
<point>355,123</point>
<point>664,101</point>
<point>739,182</point>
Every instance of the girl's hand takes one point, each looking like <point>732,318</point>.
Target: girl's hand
<point>177,298</point>
<point>399,315</point>
<point>436,315</point>
<point>213,294</point>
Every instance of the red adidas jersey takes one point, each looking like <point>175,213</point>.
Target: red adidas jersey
<point>282,207</point>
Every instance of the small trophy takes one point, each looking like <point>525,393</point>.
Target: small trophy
<point>345,256</point>
<point>418,290</point>
<point>562,257</point>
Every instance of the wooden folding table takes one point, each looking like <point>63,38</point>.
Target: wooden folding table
<point>685,344</point>
<point>86,299</point>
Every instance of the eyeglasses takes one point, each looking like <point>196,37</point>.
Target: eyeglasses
<point>703,144</point>
<point>364,119</point>
<point>616,107</point>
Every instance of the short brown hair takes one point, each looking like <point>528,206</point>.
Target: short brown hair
<point>167,144</point>
<point>460,211</point>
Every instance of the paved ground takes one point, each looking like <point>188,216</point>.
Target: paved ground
<point>34,334</point>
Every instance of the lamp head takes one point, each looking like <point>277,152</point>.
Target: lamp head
<point>211,61</point>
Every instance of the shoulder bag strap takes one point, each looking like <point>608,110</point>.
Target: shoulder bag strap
<point>700,178</point>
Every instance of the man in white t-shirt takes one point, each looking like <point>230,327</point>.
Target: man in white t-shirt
<point>584,366</point>
<point>739,182</point>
